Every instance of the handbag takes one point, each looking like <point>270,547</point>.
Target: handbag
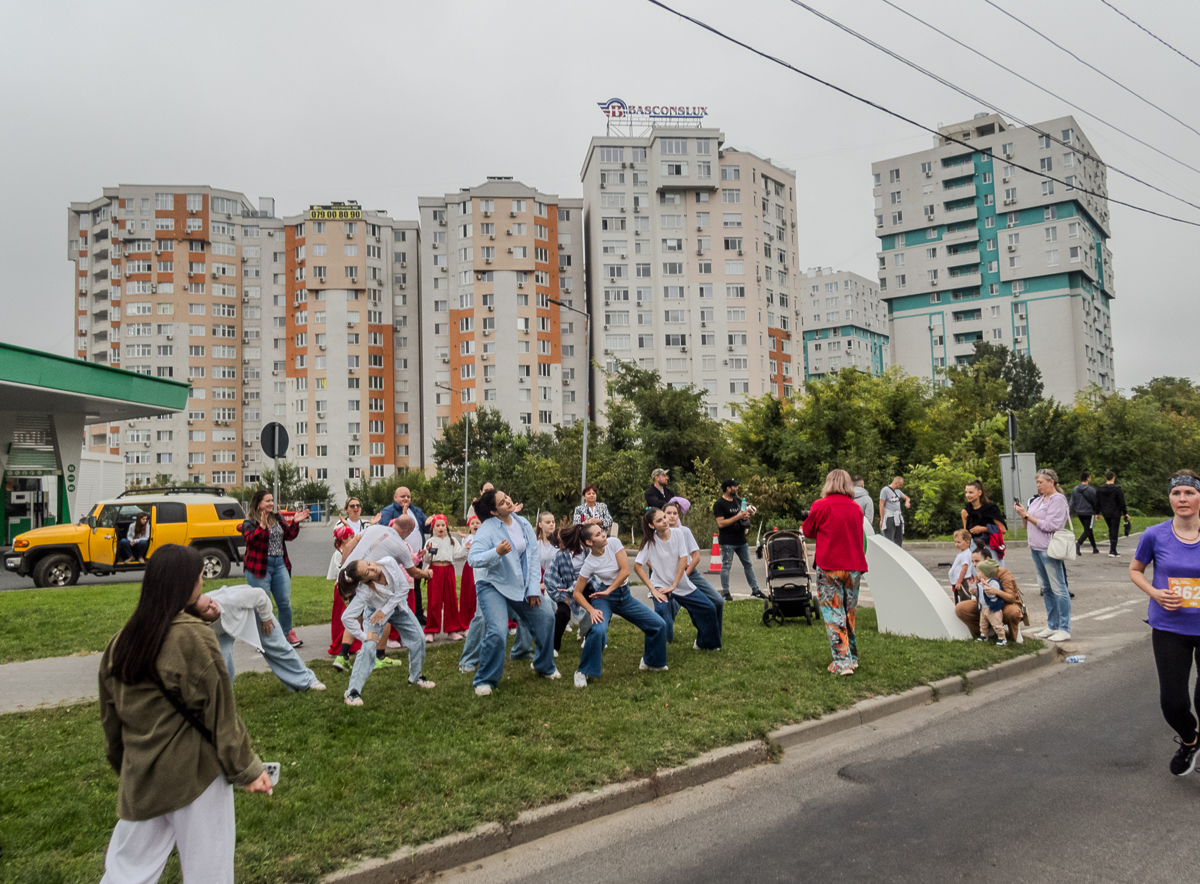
<point>188,715</point>
<point>1062,545</point>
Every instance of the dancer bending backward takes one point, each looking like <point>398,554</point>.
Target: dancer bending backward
<point>675,511</point>
<point>442,552</point>
<point>667,554</point>
<point>607,563</point>
<point>835,523</point>
<point>504,555</point>
<point>374,544</point>
<point>376,591</point>
<point>560,579</point>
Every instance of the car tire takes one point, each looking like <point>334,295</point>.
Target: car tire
<point>56,569</point>
<point>216,563</point>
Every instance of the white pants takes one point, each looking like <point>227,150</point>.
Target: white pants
<point>203,832</point>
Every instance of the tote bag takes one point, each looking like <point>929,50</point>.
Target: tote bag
<point>1062,545</point>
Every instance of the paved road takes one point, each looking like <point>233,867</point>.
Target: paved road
<point>1057,777</point>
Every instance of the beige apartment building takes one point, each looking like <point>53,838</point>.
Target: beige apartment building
<point>493,258</point>
<point>692,266</point>
<point>1002,239</point>
<point>168,284</point>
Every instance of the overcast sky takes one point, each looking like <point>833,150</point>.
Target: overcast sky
<point>383,102</point>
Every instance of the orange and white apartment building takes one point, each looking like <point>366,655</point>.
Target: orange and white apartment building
<point>493,256</point>
<point>303,320</point>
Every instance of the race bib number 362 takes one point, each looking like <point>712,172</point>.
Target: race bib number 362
<point>1188,589</point>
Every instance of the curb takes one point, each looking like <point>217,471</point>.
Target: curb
<point>491,838</point>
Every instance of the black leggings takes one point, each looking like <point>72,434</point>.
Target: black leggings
<point>1173,655</point>
<point>562,616</point>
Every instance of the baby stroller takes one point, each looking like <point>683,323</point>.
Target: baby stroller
<point>789,592</point>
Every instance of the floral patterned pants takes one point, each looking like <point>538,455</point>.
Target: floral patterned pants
<point>837,593</point>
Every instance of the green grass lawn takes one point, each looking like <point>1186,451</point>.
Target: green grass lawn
<point>413,765</point>
<point>37,623</point>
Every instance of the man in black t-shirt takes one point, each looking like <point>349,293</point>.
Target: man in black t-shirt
<point>658,494</point>
<point>733,523</point>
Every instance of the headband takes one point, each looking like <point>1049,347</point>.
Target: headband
<point>1191,481</point>
<point>439,518</point>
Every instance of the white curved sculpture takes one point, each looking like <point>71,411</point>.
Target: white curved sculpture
<point>908,599</point>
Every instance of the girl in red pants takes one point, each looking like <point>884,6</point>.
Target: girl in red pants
<point>442,551</point>
<point>341,534</point>
<point>466,584</point>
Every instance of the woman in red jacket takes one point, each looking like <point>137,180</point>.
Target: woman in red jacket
<point>835,523</point>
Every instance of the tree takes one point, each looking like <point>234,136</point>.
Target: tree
<point>289,482</point>
<point>1020,374</point>
<point>1178,395</point>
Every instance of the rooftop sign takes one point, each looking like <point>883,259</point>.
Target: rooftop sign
<point>334,213</point>
<point>617,109</point>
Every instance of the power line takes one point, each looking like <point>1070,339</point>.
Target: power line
<point>1039,86</point>
<point>899,116</point>
<point>1071,147</point>
<point>992,4</point>
<point>1150,32</point>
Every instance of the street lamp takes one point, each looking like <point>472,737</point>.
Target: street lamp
<point>466,449</point>
<point>587,379</point>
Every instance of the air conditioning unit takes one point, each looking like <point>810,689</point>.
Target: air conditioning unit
<point>704,325</point>
<point>247,443</point>
<point>349,236</point>
<point>491,309</point>
<point>244,259</point>
<point>245,362</point>
<point>739,253</point>
<point>434,245</point>
<point>1018,339</point>
<point>484,358</point>
<point>445,360</point>
<point>1007,179</point>
<point>487,260</point>
<point>933,282</point>
<point>154,287</point>
<point>354,437</point>
<point>622,208</point>
<point>170,337</point>
<point>442,222</point>
<point>245,381</point>
<point>612,279</point>
<point>637,233</point>
<point>320,414</point>
<point>189,423</point>
<point>566,382</point>
<point>510,251</point>
<point>683,349</point>
<point>928,174</point>
<point>512,214</point>
<point>378,239</point>
<point>321,347</point>
<point>606,328</point>
<point>216,275</point>
<point>487,214</point>
<point>731,349</point>
<point>270,233</point>
<point>402,285</point>
<point>486,332</point>
<point>520,285</point>
<point>636,210</point>
<point>603,185</point>
<point>353,279</point>
<point>523,379</point>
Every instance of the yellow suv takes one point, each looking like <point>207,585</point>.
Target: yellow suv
<point>190,515</point>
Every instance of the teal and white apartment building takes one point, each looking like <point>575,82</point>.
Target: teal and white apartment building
<point>845,323</point>
<point>1005,241</point>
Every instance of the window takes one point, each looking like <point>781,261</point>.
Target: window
<point>893,175</point>
<point>1047,188</point>
<point>897,217</point>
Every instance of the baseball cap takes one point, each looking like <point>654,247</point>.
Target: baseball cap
<point>729,483</point>
<point>658,472</point>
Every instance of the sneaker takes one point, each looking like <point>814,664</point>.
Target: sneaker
<point>292,640</point>
<point>757,593</point>
<point>422,682</point>
<point>845,670</point>
<point>644,668</point>
<point>980,638</point>
<point>556,655</point>
<point>316,686</point>
<point>483,690</point>
<point>385,662</point>
<point>1059,635</point>
<point>428,638</point>
<point>568,629</point>
<point>353,699</point>
<point>392,644</point>
<point>727,597</point>
<point>512,631</point>
<point>340,663</point>
<point>466,670</point>
<point>1041,633</point>
<point>1114,555</point>
<point>1096,551</point>
<point>1003,643</point>
<point>1078,550</point>
<point>553,676</point>
<point>581,680</point>
<point>1184,761</point>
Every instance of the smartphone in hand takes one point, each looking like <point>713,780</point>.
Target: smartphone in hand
<point>272,769</point>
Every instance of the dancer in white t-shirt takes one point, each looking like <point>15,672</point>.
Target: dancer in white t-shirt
<point>666,552</point>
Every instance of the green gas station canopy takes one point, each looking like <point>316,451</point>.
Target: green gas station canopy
<point>33,381</point>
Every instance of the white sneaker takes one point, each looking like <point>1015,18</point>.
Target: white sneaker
<point>466,670</point>
<point>1059,636</point>
<point>423,682</point>
<point>580,679</point>
<point>483,690</point>
<point>644,668</point>
<point>316,686</point>
<point>553,676</point>
<point>1041,633</point>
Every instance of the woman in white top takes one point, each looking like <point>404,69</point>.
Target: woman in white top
<point>547,538</point>
<point>136,542</point>
<point>607,564</point>
<point>376,591</point>
<point>667,554</point>
<point>675,511</point>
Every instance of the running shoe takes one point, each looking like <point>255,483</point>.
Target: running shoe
<point>353,698</point>
<point>292,640</point>
<point>483,690</point>
<point>645,668</point>
<point>340,663</point>
<point>580,680</point>
<point>423,682</point>
<point>1184,761</point>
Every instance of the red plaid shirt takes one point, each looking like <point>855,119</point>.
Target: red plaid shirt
<point>258,540</point>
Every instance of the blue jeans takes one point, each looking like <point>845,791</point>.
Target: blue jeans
<point>135,550</point>
<point>702,584</point>
<point>280,656</point>
<point>277,582</point>
<point>522,648</point>
<point>410,630</point>
<point>622,603</point>
<point>496,610</point>
<point>1052,579</point>
<point>742,551</point>
<point>704,613</point>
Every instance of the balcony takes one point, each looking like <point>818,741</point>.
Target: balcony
<point>954,216</point>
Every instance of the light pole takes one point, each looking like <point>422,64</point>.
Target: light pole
<point>587,380</point>
<point>466,449</point>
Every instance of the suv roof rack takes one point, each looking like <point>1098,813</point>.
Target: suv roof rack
<point>176,489</point>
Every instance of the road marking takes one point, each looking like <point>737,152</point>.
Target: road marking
<point>1118,608</point>
<point>1110,616</point>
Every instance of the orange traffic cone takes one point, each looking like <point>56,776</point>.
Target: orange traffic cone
<point>714,565</point>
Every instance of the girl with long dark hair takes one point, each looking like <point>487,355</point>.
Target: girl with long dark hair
<point>172,733</point>
<point>984,520</point>
<point>136,542</point>
<point>560,579</point>
<point>608,564</point>
<point>667,555</point>
<point>266,563</point>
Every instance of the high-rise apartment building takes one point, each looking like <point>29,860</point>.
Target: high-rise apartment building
<point>691,253</point>
<point>344,341</point>
<point>492,258</point>
<point>1004,241</point>
<point>845,323</point>
<point>168,285</point>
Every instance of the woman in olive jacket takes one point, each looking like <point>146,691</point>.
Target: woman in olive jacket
<point>172,733</point>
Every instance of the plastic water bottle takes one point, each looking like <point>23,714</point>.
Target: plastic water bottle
<point>1077,658</point>
<point>743,504</point>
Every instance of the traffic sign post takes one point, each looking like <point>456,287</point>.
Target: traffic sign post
<point>274,441</point>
